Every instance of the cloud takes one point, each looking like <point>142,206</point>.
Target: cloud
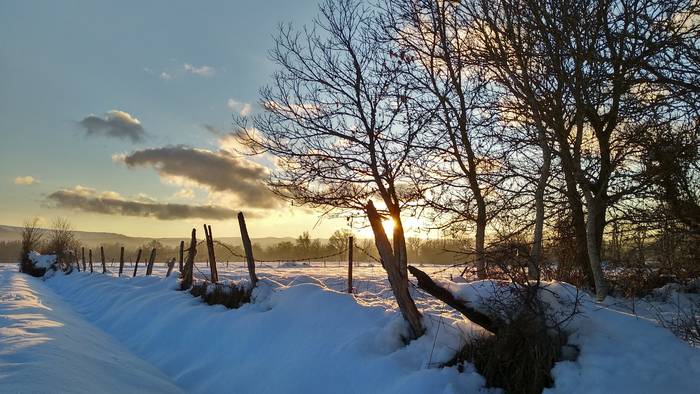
<point>242,108</point>
<point>25,180</point>
<point>202,71</point>
<point>115,123</point>
<point>186,194</point>
<point>165,76</point>
<point>216,171</point>
<point>111,203</point>
<point>212,129</point>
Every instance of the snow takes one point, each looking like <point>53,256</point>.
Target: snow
<point>301,334</point>
<point>42,261</point>
<point>46,347</point>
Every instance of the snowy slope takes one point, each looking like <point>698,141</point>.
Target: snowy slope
<point>46,347</point>
<point>298,337</point>
<point>301,338</point>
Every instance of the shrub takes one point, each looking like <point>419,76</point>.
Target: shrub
<point>229,295</point>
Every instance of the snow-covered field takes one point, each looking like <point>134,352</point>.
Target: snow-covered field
<point>99,333</point>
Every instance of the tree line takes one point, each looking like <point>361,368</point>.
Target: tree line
<point>548,130</point>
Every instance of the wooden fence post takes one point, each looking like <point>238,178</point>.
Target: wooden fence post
<point>182,254</point>
<point>188,273</point>
<point>248,249</point>
<point>84,264</point>
<point>350,246</point>
<point>102,255</point>
<point>136,266</point>
<point>151,260</point>
<point>171,264</point>
<point>213,273</point>
<point>77,261</point>
<point>90,256</point>
<point>121,261</point>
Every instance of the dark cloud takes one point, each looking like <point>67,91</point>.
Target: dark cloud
<point>212,129</point>
<point>217,171</point>
<point>111,203</point>
<point>117,124</point>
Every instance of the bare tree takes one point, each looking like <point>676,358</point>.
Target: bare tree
<point>341,127</point>
<point>31,240</point>
<point>464,150</point>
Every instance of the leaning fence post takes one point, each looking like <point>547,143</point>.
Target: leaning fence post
<point>84,266</point>
<point>188,273</point>
<point>350,246</point>
<point>182,253</point>
<point>136,266</point>
<point>248,249</point>
<point>102,255</point>
<point>171,264</point>
<point>151,260</point>
<point>213,273</point>
<point>121,261</point>
<point>90,256</point>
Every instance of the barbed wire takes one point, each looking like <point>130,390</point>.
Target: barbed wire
<point>315,258</point>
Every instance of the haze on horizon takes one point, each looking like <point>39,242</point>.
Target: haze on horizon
<point>117,116</point>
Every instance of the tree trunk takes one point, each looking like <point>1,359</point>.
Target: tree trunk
<point>533,271</point>
<point>392,265</point>
<point>595,210</point>
<point>579,226</point>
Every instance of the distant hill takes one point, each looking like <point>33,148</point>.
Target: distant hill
<point>88,238</point>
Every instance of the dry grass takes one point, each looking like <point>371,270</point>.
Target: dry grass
<point>519,359</point>
<point>230,296</point>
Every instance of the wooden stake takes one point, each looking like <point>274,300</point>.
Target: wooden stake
<point>90,255</point>
<point>350,246</point>
<point>77,261</point>
<point>136,266</point>
<point>182,254</point>
<point>102,255</point>
<point>188,273</point>
<point>213,273</point>
<point>151,260</point>
<point>171,264</point>
<point>248,249</point>
<point>121,261</point>
<point>83,252</point>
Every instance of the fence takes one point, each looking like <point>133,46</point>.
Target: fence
<point>353,269</point>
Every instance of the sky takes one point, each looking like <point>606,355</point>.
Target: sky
<point>114,115</point>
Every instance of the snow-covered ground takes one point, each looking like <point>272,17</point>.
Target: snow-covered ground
<point>302,334</point>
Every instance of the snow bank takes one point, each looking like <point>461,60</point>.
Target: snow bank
<point>297,338</point>
<point>619,352</point>
<point>46,347</point>
<point>42,261</point>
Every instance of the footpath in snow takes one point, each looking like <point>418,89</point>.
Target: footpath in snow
<point>46,347</point>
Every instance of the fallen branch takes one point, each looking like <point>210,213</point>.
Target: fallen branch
<point>442,294</point>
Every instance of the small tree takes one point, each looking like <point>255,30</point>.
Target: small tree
<point>31,240</point>
<point>61,240</point>
<point>340,126</point>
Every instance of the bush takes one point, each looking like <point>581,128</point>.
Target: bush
<point>231,296</point>
<point>31,240</point>
<point>519,359</point>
